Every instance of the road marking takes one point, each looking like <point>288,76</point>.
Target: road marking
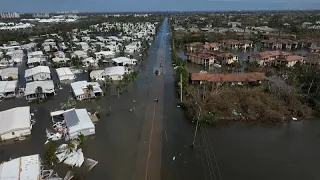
<point>165,133</point>
<point>150,141</point>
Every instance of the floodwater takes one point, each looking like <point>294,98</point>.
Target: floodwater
<point>228,152</point>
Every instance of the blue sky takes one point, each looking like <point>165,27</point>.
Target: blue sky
<point>153,5</point>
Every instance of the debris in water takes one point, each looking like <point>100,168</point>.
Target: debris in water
<point>178,106</point>
<point>173,158</point>
<point>295,119</point>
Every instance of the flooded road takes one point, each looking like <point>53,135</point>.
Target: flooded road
<point>122,140</point>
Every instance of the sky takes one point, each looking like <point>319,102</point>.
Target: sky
<point>23,6</point>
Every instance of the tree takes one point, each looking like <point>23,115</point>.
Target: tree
<point>134,76</point>
<point>39,92</point>
<point>90,89</point>
<point>71,103</point>
<point>71,146</point>
<point>108,82</point>
<point>81,138</point>
<point>50,153</point>
<point>98,48</point>
<point>121,87</point>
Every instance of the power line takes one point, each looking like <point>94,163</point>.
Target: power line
<point>205,146</point>
<point>213,153</point>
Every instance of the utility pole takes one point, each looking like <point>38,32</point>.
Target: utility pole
<point>196,130</point>
<point>180,87</point>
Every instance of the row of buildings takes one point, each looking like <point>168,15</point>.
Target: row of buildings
<point>207,54</point>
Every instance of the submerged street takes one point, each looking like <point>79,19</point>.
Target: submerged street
<point>153,142</point>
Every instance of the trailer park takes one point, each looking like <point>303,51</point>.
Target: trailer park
<point>48,92</point>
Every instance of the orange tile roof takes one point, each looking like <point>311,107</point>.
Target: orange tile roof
<point>242,77</point>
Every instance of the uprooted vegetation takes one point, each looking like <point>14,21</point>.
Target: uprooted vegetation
<point>268,103</point>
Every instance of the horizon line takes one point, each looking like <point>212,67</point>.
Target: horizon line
<point>161,11</point>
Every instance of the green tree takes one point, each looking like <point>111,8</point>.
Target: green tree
<point>90,88</point>
<point>71,103</point>
<point>108,83</point>
<point>71,147</point>
<point>98,48</point>
<point>81,138</point>
<point>134,76</point>
<point>50,153</point>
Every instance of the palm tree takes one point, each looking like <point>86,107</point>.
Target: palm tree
<point>90,89</point>
<point>71,103</point>
<point>108,82</point>
<point>134,76</point>
<point>71,146</point>
<point>81,138</point>
<point>39,92</point>
<point>50,153</point>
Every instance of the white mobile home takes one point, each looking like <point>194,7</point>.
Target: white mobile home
<point>105,54</point>
<point>39,73</point>
<point>124,61</point>
<point>65,74</point>
<point>115,73</point>
<point>96,75</point>
<point>77,122</point>
<point>35,54</point>
<point>15,123</point>
<point>9,72</point>
<point>8,88</point>
<point>36,61</point>
<point>81,91</point>
<point>26,167</point>
<point>30,92</point>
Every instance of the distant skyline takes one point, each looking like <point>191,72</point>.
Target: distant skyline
<point>33,6</point>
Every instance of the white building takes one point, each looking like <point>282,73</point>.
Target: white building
<point>81,91</point>
<point>5,63</point>
<point>30,92</point>
<point>10,48</point>
<point>83,45</point>
<point>38,73</point>
<point>15,53</point>
<point>29,46</point>
<point>77,122</point>
<point>15,123</point>
<point>25,167</point>
<point>35,54</point>
<point>124,61</point>
<point>97,75</point>
<point>115,73</point>
<point>36,61</point>
<point>80,54</point>
<point>61,60</point>
<point>8,88</point>
<point>65,74</point>
<point>105,54</point>
<point>10,15</point>
<point>90,61</point>
<point>9,72</point>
